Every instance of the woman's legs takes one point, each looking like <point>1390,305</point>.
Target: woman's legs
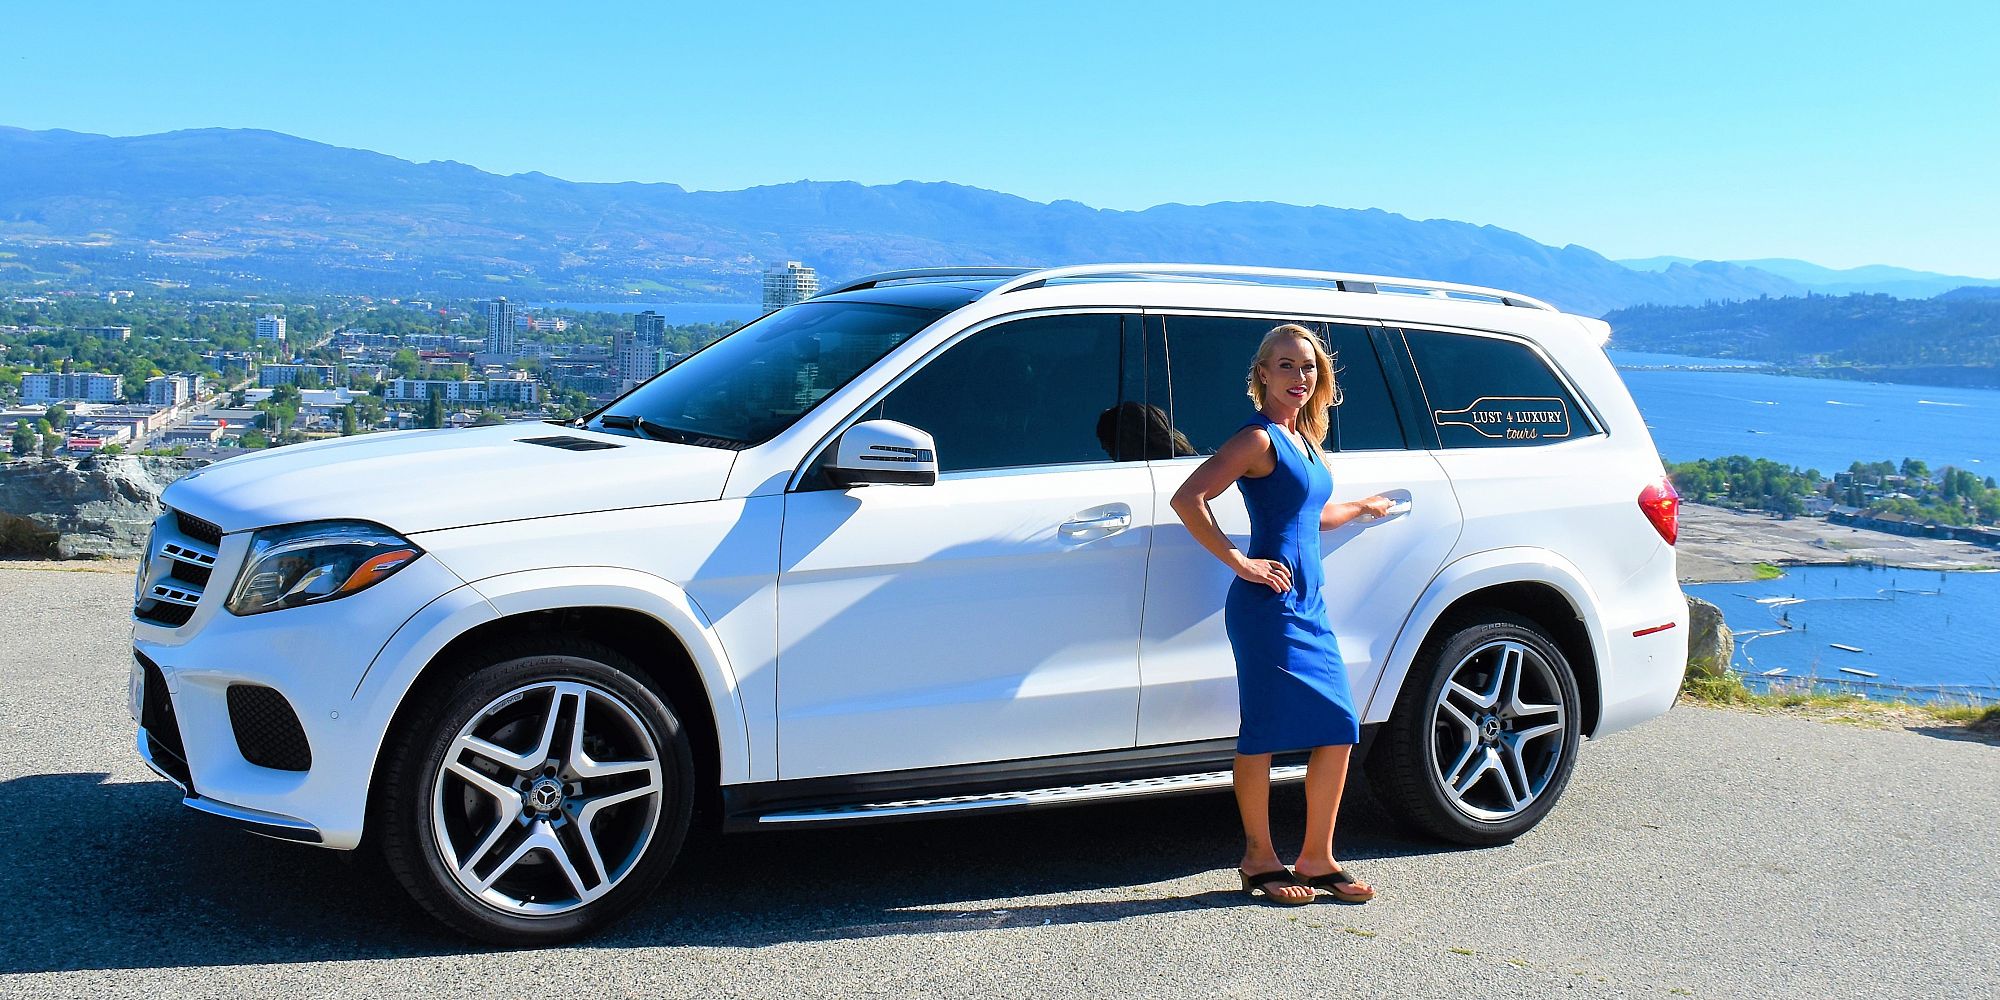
<point>1326,778</point>
<point>1252,777</point>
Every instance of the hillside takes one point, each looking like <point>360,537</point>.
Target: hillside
<point>1952,339</point>
<point>249,207</point>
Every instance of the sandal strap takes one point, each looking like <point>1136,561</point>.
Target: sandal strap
<point>1338,876</point>
<point>1278,876</point>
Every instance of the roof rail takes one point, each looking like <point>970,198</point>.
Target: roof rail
<point>926,274</point>
<point>1340,280</point>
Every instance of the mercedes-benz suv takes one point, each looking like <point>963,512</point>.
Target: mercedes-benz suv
<point>902,550</point>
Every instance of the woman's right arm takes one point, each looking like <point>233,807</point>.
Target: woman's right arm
<point>1237,457</point>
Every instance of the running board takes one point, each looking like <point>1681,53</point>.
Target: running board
<point>1026,799</point>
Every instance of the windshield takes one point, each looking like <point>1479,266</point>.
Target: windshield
<point>748,386</point>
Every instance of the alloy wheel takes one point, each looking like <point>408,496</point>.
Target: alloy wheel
<point>1498,731</point>
<point>547,798</point>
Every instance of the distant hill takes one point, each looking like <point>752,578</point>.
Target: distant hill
<point>1898,281</point>
<point>1952,339</point>
<point>251,207</point>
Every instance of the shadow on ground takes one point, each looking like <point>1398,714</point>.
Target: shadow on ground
<point>120,876</point>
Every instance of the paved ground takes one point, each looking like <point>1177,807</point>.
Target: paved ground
<point>1706,854</point>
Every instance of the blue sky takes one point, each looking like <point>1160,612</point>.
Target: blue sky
<point>1841,133</point>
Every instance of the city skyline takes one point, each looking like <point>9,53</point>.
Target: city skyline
<point>1708,131</point>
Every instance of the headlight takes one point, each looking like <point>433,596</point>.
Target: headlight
<point>315,563</point>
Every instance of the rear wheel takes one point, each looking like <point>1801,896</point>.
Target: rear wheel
<point>1484,734</point>
<point>538,796</point>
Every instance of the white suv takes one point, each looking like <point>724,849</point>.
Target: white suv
<point>902,550</point>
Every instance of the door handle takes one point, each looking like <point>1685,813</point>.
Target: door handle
<point>1108,522</point>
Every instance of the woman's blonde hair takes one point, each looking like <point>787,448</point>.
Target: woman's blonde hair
<point>1313,420</point>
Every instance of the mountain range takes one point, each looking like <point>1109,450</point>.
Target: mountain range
<point>228,207</point>
<point>1882,279</point>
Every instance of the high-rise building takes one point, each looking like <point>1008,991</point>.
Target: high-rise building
<point>791,283</point>
<point>641,352</point>
<point>500,327</point>
<point>177,389</point>
<point>271,327</point>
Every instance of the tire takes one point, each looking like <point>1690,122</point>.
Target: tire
<point>506,826</point>
<point>1473,754</point>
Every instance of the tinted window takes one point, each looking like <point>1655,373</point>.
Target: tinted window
<point>1210,356</point>
<point>1041,391</point>
<point>1484,392</point>
<point>755,382</point>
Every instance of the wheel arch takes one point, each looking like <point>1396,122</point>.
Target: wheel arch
<point>1536,584</point>
<point>646,619</point>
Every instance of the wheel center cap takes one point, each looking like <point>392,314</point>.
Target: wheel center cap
<point>545,795</point>
<point>1491,730</point>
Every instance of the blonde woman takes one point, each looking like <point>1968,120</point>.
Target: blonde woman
<point>1290,680</point>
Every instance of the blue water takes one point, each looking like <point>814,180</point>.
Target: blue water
<point>1914,627</point>
<point>1812,423</point>
<point>1944,637</point>
<point>677,313</point>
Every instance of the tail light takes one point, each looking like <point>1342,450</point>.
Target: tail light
<point>1661,504</point>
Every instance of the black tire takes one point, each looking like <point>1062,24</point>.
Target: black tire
<point>1423,739</point>
<point>616,850</point>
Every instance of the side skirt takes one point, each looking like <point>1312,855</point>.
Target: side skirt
<point>1003,786</point>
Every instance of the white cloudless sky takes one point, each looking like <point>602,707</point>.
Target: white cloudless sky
<point>1840,133</point>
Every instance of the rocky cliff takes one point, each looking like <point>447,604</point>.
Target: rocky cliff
<point>98,508</point>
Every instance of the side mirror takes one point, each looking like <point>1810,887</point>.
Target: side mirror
<point>883,451</point>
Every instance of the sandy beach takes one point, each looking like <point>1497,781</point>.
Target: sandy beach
<point>1718,545</point>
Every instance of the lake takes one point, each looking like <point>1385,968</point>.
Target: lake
<point>1914,627</point>
<point>1812,423</point>
<point>677,313</point>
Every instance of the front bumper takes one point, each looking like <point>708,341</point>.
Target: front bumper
<point>321,695</point>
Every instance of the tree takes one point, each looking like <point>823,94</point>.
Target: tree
<point>255,439</point>
<point>406,363</point>
<point>1914,468</point>
<point>308,379</point>
<point>57,415</point>
<point>24,439</point>
<point>51,443</point>
<point>347,427</point>
<point>434,410</point>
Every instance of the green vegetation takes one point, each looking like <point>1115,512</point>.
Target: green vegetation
<point>1729,690</point>
<point>1909,489</point>
<point>1945,340</point>
<point>1768,571</point>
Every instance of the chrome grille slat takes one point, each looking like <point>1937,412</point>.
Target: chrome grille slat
<point>177,569</point>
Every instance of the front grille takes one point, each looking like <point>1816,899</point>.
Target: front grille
<point>180,560</point>
<point>198,529</point>
<point>163,729</point>
<point>267,730</point>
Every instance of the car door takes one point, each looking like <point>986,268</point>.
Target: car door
<point>995,614</point>
<point>1375,570</point>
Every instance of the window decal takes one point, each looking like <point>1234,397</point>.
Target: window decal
<point>1511,418</point>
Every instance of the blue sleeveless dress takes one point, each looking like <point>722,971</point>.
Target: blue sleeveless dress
<point>1291,683</point>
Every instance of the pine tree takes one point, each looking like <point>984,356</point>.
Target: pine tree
<point>347,427</point>
<point>434,411</point>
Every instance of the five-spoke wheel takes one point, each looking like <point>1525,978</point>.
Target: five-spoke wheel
<point>1484,734</point>
<point>539,795</point>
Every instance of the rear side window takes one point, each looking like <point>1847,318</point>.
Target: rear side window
<point>1039,391</point>
<point>1210,357</point>
<point>1486,392</point>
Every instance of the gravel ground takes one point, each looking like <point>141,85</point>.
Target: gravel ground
<point>1708,853</point>
<point>1718,545</point>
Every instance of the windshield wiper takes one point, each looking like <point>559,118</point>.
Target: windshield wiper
<point>656,431</point>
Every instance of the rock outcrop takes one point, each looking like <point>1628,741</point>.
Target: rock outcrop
<point>1710,646</point>
<point>100,507</point>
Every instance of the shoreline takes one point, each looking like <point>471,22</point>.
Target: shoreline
<point>1720,545</point>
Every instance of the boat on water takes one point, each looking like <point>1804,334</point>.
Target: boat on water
<point>1773,672</point>
<point>1851,649</point>
<point>1858,672</point>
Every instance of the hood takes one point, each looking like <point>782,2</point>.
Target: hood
<point>414,481</point>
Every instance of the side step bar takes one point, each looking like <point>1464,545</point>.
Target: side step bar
<point>1023,799</point>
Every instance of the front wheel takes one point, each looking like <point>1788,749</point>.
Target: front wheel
<point>1484,734</point>
<point>539,795</point>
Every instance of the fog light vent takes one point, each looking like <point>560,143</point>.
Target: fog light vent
<point>268,733</point>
